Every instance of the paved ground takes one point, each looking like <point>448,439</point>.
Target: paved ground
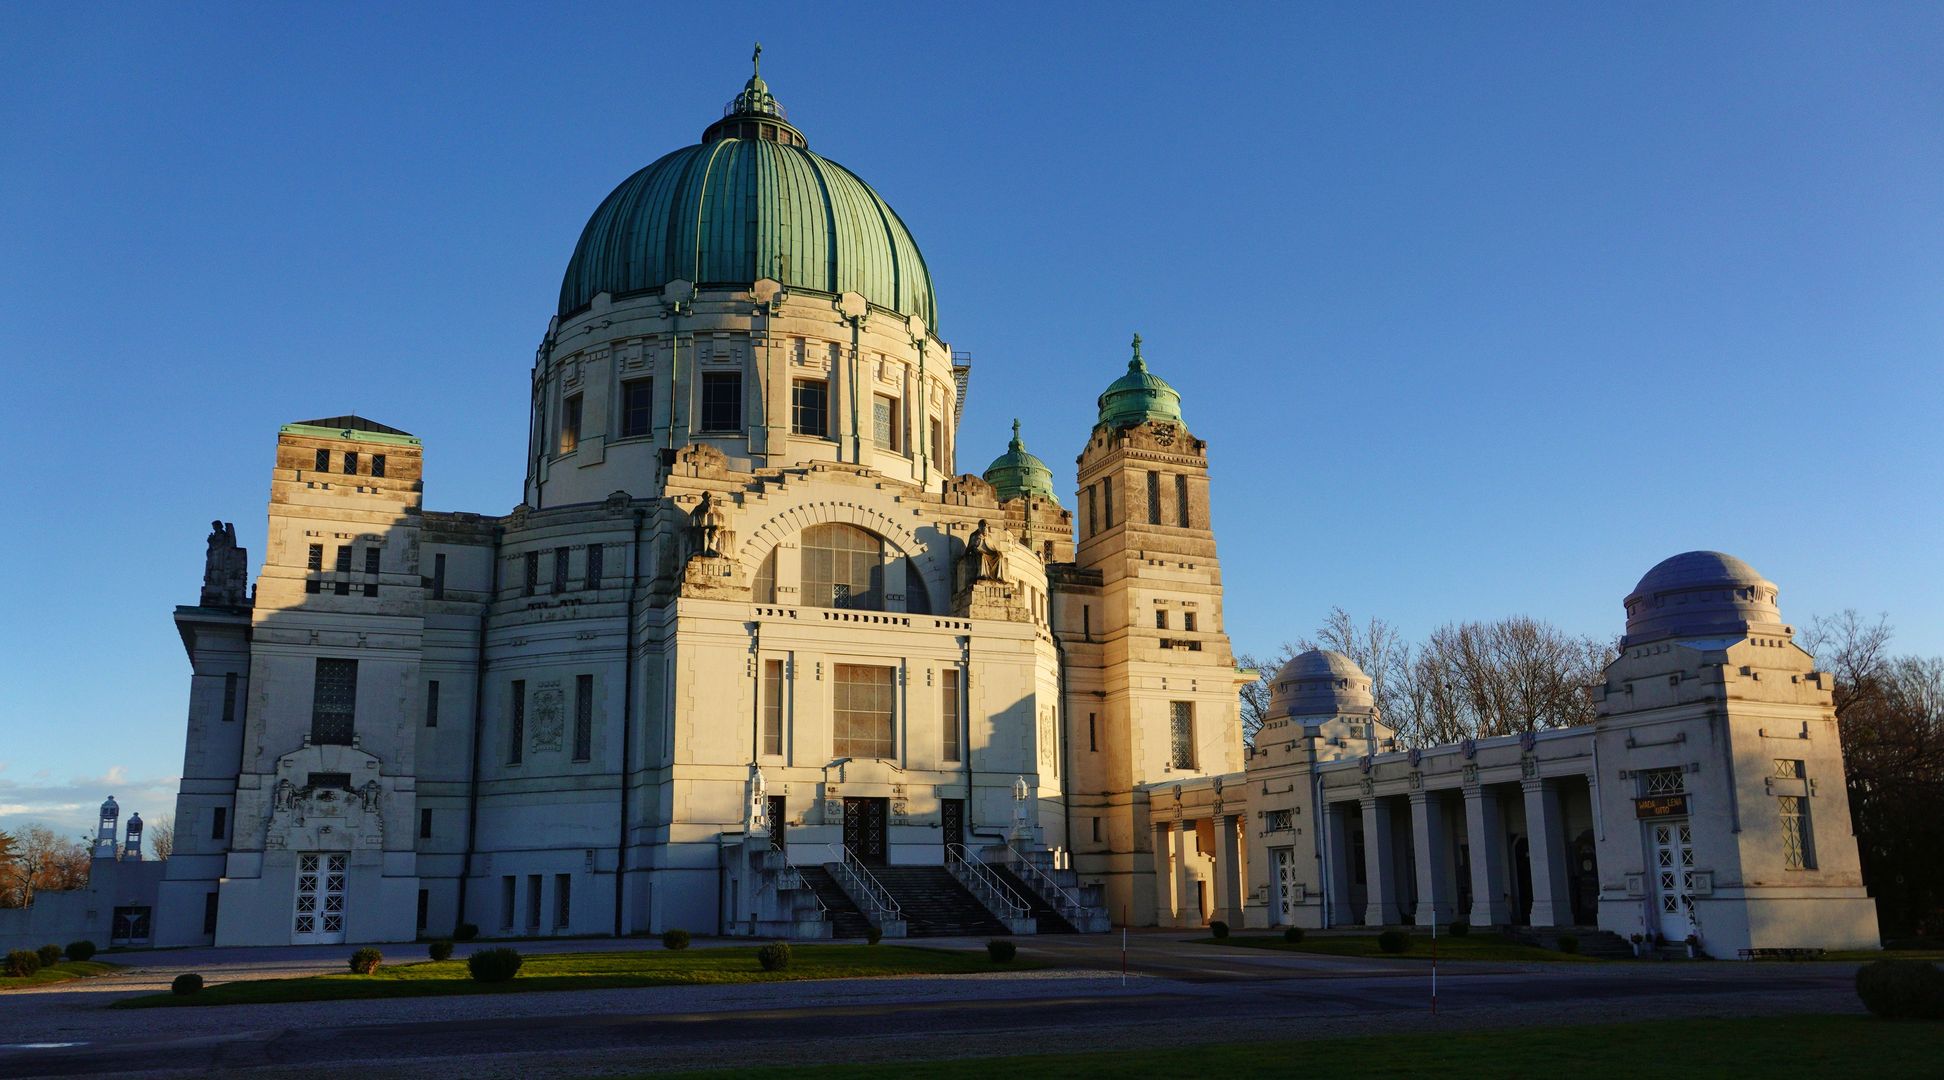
<point>1178,992</point>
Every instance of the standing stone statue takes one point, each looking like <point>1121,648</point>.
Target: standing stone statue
<point>225,578</point>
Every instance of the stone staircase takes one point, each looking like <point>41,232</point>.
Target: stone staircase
<point>844,918</point>
<point>1089,917</point>
<point>935,904</point>
<point>1604,944</point>
<point>1044,914</point>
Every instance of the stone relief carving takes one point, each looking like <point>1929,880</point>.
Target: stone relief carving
<point>225,569</point>
<point>548,716</point>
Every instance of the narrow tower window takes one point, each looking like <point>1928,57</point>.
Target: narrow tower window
<point>570,423</point>
<point>949,710</point>
<point>810,408</point>
<point>516,724</point>
<point>773,708</point>
<point>1181,499</point>
<point>583,717</point>
<point>1154,498</point>
<point>334,701</point>
<point>637,407</point>
<point>722,402</point>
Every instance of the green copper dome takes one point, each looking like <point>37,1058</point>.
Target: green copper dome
<point>1016,472</point>
<point>1137,397</point>
<point>749,201</point>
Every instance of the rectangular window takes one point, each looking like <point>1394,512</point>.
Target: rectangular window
<point>1107,503</point>
<point>1181,724</point>
<point>323,461</point>
<point>810,408</point>
<point>1669,781</point>
<point>506,901</point>
<point>432,703</point>
<point>637,407</point>
<point>334,701</point>
<point>595,557</point>
<point>1154,498</point>
<point>425,823</point>
<point>316,558</point>
<point>884,422</point>
<point>938,442</point>
<point>229,697</point>
<point>1096,830</point>
<point>344,558</point>
<point>350,463</point>
<point>1086,621</point>
<point>377,464</point>
<point>516,724</point>
<point>722,402</point>
<point>532,572</point>
<point>219,823</point>
<point>560,571</point>
<point>533,903</point>
<point>371,567</point>
<point>570,423</point>
<point>563,897</point>
<point>1093,521</point>
<point>773,708</point>
<point>210,902</point>
<point>583,717</point>
<point>1181,499</point>
<point>1093,736</point>
<point>948,707</point>
<point>1798,851</point>
<point>424,908</point>
<point>861,711</point>
<point>1161,620</point>
<point>1187,620</point>
<point>1278,821</point>
<point>438,576</point>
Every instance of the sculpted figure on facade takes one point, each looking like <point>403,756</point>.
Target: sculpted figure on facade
<point>225,571</point>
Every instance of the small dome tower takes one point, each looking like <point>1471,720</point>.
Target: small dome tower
<point>1137,397</point>
<point>104,847</point>
<point>1016,472</point>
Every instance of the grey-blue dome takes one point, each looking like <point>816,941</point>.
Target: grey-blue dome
<point>1320,682</point>
<point>1699,594</point>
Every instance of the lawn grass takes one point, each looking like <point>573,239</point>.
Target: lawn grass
<point>1866,955</point>
<point>1825,1047</point>
<point>61,972</point>
<point>591,971</point>
<point>1473,946</point>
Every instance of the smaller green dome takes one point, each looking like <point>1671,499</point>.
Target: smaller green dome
<point>1016,472</point>
<point>1137,397</point>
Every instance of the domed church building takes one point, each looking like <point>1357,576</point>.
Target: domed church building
<point>754,655</point>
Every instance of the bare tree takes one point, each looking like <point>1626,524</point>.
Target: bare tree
<point>9,868</point>
<point>44,860</point>
<point>161,836</point>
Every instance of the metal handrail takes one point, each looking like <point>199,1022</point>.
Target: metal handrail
<point>1036,875</point>
<point>995,891</point>
<point>874,894</point>
<point>792,878</point>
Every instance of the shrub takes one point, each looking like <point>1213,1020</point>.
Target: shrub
<point>80,950</point>
<point>186,984</point>
<point>1394,941</point>
<point>1219,928</point>
<point>22,963</point>
<point>465,931</point>
<point>1458,928</point>
<point>874,935</point>
<point>494,965</point>
<point>440,949</point>
<point>1001,950</point>
<point>774,957</point>
<point>1567,943</point>
<point>1293,935</point>
<point>1902,989</point>
<point>366,960</point>
<point>675,939</point>
<point>49,955</point>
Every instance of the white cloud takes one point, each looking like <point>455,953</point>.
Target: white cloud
<point>70,808</point>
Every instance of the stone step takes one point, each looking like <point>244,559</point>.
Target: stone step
<point>935,904</point>
<point>844,918</point>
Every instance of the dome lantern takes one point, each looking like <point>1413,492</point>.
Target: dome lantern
<point>1138,397</point>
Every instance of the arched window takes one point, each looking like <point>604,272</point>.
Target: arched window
<point>917,597</point>
<point>843,567</point>
<point>763,589</point>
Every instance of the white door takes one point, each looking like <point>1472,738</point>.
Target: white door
<point>1286,888</point>
<point>319,917</point>
<point>1674,878</point>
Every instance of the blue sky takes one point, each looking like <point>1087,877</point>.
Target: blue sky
<point>1483,309</point>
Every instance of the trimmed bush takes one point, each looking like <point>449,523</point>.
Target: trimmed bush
<point>366,960</point>
<point>1567,943</point>
<point>80,950</point>
<point>874,935</point>
<point>1902,989</point>
<point>1219,928</point>
<point>1293,935</point>
<point>774,957</point>
<point>186,984</point>
<point>439,950</point>
<point>22,963</point>
<point>1001,951</point>
<point>1458,928</point>
<point>465,931</point>
<point>49,954</point>
<point>494,965</point>
<point>675,939</point>
<point>1394,941</point>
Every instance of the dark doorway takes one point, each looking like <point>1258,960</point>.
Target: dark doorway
<point>951,820</point>
<point>131,926</point>
<point>1522,859</point>
<point>1586,881</point>
<point>864,829</point>
<point>774,806</point>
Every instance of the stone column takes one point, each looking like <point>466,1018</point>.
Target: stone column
<point>1228,870</point>
<point>1380,883</point>
<point>1341,873</point>
<point>1188,911</point>
<point>1551,900</point>
<point>1485,835</point>
<point>1164,865</point>
<point>1432,848</point>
